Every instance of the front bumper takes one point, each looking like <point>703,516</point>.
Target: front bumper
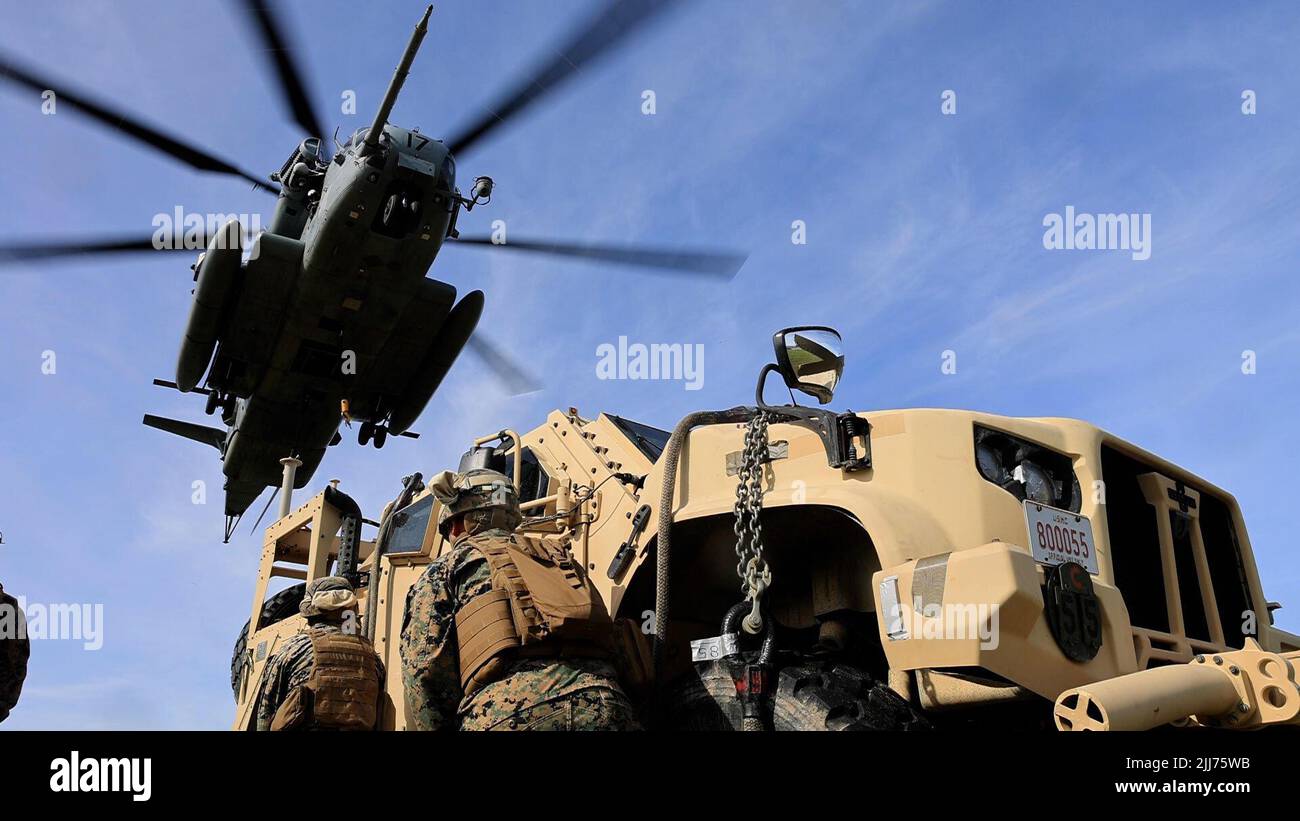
<point>982,609</point>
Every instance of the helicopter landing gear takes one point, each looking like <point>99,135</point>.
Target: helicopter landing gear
<point>370,432</point>
<point>224,401</point>
<point>401,213</point>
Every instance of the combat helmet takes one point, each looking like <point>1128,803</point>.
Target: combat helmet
<point>326,596</point>
<point>487,497</point>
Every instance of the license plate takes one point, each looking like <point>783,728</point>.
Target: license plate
<point>1057,536</point>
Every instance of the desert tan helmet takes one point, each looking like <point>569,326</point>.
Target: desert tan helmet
<point>487,495</point>
<point>326,596</point>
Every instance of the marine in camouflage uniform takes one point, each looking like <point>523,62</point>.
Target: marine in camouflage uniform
<point>14,651</point>
<point>531,693</point>
<point>325,603</point>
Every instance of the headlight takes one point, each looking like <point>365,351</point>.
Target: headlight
<point>1038,485</point>
<point>990,464</point>
<point>1027,470</point>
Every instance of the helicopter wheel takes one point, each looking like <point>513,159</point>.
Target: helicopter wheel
<point>367,431</point>
<point>390,210</point>
<point>400,214</point>
<point>381,436</point>
<point>228,406</point>
<point>214,401</point>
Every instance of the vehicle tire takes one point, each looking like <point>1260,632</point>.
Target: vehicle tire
<point>212,403</point>
<point>275,609</point>
<point>363,436</point>
<point>381,436</point>
<point>829,696</point>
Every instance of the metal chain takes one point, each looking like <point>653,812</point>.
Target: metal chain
<point>752,569</point>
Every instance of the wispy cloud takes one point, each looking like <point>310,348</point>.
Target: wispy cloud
<point>924,234</point>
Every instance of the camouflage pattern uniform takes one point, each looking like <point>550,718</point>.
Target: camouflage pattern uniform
<point>291,665</point>
<point>534,694</point>
<point>14,651</point>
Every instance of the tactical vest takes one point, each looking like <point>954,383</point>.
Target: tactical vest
<point>539,605</point>
<point>342,691</point>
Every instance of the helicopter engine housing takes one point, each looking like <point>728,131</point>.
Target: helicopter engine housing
<point>218,270</point>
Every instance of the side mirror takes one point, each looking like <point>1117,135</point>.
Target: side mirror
<point>810,359</point>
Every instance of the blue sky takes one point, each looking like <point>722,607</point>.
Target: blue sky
<point>924,234</point>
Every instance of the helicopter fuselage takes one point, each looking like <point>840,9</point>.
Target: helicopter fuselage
<point>328,317</point>
<point>333,319</point>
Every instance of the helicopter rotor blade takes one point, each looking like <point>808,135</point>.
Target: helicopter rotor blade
<point>516,380</point>
<point>116,119</point>
<point>584,46</point>
<point>56,249</point>
<point>286,70</point>
<point>715,264</point>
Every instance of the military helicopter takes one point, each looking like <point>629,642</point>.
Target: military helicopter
<point>328,318</point>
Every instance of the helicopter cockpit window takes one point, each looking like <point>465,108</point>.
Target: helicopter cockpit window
<point>359,136</point>
<point>409,526</point>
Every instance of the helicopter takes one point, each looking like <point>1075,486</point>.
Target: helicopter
<point>328,318</point>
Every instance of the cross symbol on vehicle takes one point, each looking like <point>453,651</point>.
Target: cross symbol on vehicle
<point>1178,493</point>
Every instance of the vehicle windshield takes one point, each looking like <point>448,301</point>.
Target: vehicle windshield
<point>650,441</point>
<point>410,522</point>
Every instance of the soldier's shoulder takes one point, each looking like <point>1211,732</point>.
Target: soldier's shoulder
<point>470,549</point>
<point>434,580</point>
<point>294,644</point>
<point>436,572</point>
<point>476,544</point>
<point>298,639</point>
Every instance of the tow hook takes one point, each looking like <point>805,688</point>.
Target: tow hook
<point>753,679</point>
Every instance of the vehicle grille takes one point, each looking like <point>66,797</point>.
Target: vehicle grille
<point>1204,613</point>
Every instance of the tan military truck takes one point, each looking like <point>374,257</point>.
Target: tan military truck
<point>788,567</point>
